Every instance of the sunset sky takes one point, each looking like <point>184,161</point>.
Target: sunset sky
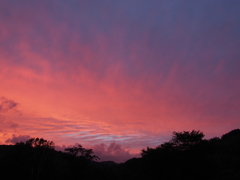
<point>118,76</point>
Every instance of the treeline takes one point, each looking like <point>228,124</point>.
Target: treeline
<point>188,156</point>
<point>185,156</point>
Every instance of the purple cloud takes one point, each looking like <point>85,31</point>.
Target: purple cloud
<point>15,139</point>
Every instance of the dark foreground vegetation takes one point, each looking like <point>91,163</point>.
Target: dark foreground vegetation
<point>186,156</point>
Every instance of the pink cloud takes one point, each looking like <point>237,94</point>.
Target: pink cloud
<point>112,152</point>
<point>96,83</point>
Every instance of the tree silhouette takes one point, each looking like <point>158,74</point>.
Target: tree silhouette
<point>37,143</point>
<point>180,141</point>
<point>79,151</point>
<point>184,140</point>
<point>38,157</point>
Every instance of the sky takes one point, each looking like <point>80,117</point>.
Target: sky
<point>118,76</point>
